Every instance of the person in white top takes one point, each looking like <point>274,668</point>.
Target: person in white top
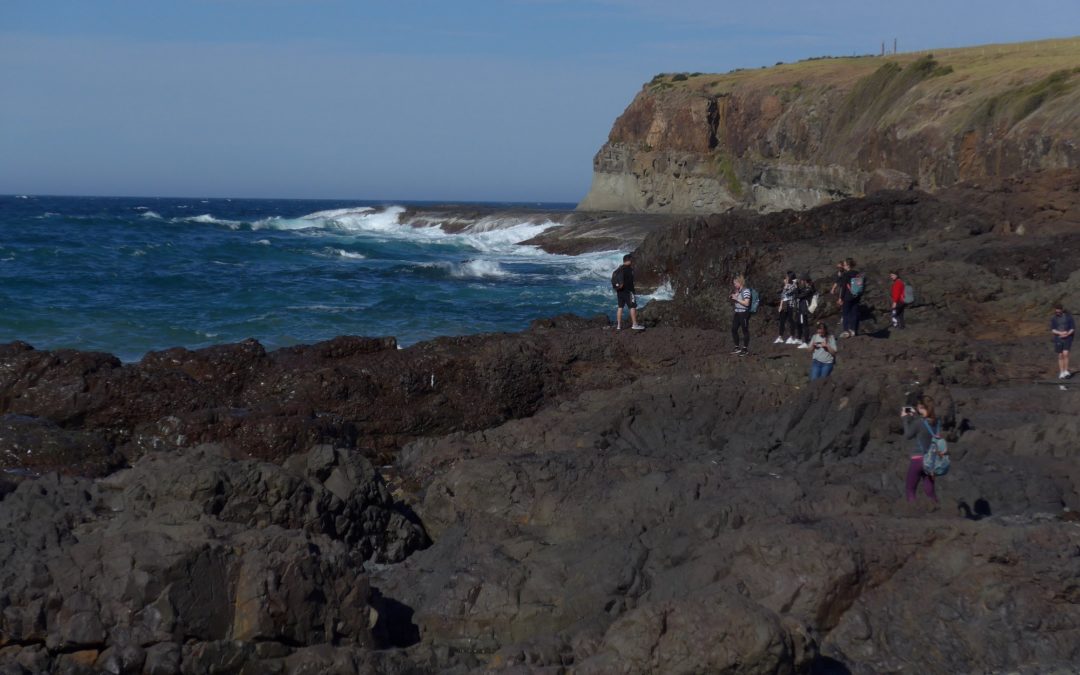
<point>822,353</point>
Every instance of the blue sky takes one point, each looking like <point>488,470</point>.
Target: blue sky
<point>396,99</point>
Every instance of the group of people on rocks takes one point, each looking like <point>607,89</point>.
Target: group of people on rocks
<point>798,301</point>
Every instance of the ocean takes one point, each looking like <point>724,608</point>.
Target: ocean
<point>131,275</point>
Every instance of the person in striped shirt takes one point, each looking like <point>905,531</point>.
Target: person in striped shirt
<point>740,319</point>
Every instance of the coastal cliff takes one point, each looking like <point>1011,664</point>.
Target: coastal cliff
<point>804,134</point>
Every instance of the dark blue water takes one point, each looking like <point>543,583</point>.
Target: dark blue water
<point>129,275</point>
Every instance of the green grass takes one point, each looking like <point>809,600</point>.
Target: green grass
<point>1014,105</point>
<point>956,88</point>
<point>725,168</point>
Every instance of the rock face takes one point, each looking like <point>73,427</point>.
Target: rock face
<point>191,558</point>
<point>800,135</point>
<point>578,500</point>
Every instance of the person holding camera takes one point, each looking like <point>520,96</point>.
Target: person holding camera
<point>822,352</point>
<point>920,423</point>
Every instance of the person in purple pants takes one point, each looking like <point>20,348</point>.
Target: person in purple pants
<point>917,424</point>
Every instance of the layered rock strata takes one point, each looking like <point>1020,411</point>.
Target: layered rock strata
<point>800,135</point>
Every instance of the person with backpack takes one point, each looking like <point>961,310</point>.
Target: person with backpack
<point>804,298</point>
<point>898,295</point>
<point>1063,328</point>
<point>851,284</point>
<point>743,306</point>
<point>622,281</point>
<point>921,423</point>
<point>823,352</point>
<point>786,310</point>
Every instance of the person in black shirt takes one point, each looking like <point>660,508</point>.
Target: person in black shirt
<point>804,295</point>
<point>849,300</point>
<point>623,281</point>
<point>1064,328</point>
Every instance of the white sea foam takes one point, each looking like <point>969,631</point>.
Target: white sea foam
<point>211,220</point>
<point>142,208</point>
<point>478,269</point>
<point>349,255</point>
<point>151,215</point>
<point>492,234</point>
<point>262,242</point>
<point>663,292</point>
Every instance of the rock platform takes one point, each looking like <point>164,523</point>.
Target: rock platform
<point>572,499</point>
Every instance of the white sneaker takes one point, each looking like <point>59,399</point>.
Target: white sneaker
<point>804,345</point>
<point>637,326</point>
<point>1062,375</point>
<point>778,341</point>
<point>792,341</point>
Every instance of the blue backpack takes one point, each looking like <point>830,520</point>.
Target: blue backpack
<point>858,283</point>
<point>755,300</point>
<point>935,460</point>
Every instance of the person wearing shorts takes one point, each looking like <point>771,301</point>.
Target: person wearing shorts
<point>624,294</point>
<point>1063,328</point>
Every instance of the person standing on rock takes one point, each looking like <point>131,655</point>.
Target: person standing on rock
<point>822,352</point>
<point>622,280</point>
<point>896,294</point>
<point>920,423</point>
<point>786,310</point>
<point>1064,328</point>
<point>740,319</point>
<point>803,297</point>
<point>850,285</point>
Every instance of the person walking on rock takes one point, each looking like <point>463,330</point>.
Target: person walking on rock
<point>1063,327</point>
<point>896,294</point>
<point>850,285</point>
<point>622,280</point>
<point>740,318</point>
<point>822,352</point>
<point>786,310</point>
<point>920,423</point>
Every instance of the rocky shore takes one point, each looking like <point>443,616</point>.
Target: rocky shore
<point>570,499</point>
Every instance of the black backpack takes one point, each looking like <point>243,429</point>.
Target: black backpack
<point>617,278</point>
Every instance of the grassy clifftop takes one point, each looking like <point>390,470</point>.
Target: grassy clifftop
<point>801,134</point>
<point>1004,82</point>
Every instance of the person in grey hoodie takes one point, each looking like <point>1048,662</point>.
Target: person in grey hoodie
<point>918,423</point>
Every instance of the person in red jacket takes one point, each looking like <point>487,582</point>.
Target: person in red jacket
<point>897,295</point>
